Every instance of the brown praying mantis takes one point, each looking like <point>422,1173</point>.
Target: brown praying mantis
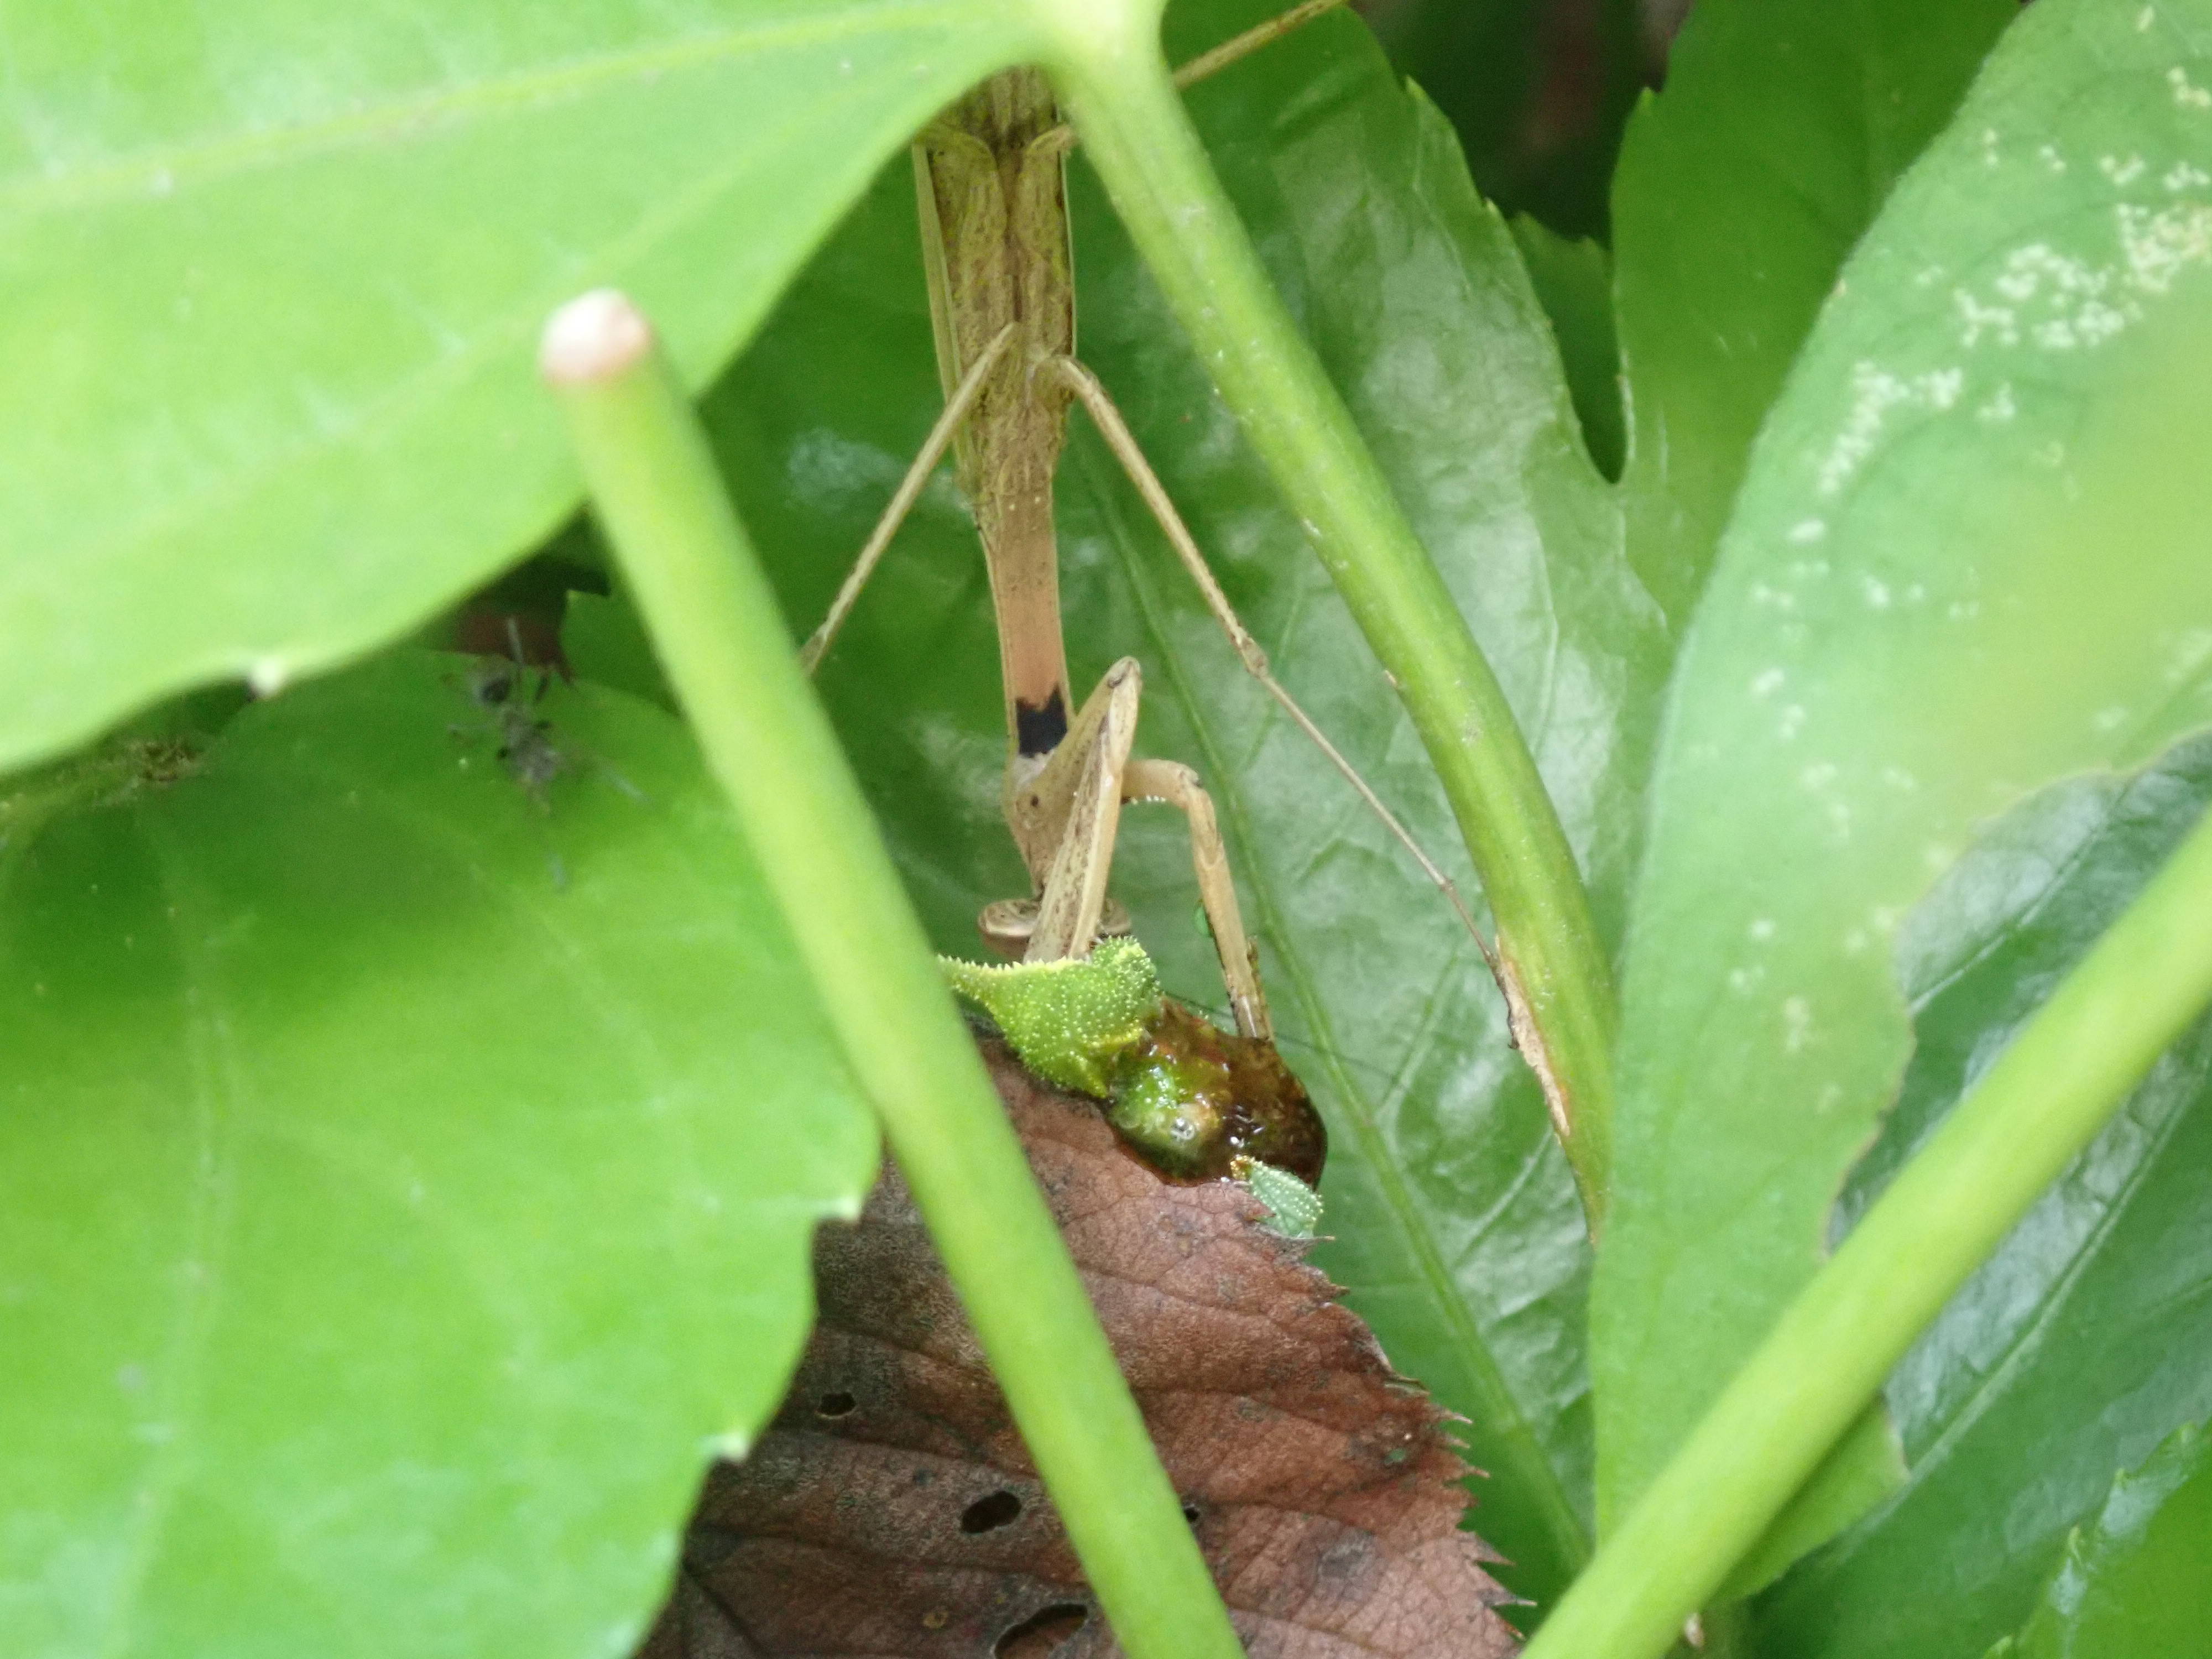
<point>989,177</point>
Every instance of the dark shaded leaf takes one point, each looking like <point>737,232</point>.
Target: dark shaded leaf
<point>1574,281</point>
<point>2136,1583</point>
<point>893,1509</point>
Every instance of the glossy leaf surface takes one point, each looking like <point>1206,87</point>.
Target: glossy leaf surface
<point>2088,1338</point>
<point>1460,1235</point>
<point>2136,1582</point>
<point>1995,409</point>
<point>276,273</point>
<point>408,1184</point>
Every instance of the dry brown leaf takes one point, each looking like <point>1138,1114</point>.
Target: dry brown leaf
<point>891,1509</point>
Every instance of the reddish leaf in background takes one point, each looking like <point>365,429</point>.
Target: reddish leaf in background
<point>891,1508</point>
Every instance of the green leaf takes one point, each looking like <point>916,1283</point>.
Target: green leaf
<point>409,1180</point>
<point>1537,93</point>
<point>1574,280</point>
<point>2136,1583</point>
<point>1459,1232</point>
<point>2088,1337</point>
<point>275,274</point>
<point>1984,466</point>
<point>1740,189</point>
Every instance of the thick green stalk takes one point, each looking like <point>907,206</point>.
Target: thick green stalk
<point>2043,1102</point>
<point>717,630</point>
<point>1116,88</point>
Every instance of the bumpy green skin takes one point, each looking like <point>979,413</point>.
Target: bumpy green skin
<point>1075,1022</point>
<point>1294,1207</point>
<point>1196,1102</point>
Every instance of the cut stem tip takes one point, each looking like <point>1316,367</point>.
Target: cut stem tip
<point>595,337</point>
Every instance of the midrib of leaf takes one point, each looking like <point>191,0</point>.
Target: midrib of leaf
<point>169,169</point>
<point>1501,1413</point>
<point>525,317</point>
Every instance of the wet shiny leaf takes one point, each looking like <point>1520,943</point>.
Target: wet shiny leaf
<point>2088,1338</point>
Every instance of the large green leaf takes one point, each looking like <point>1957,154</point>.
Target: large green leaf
<point>1460,1233</point>
<point>1740,189</point>
<point>1967,558</point>
<point>407,1184</point>
<point>2136,1582</point>
<point>2089,1337</point>
<point>274,274</point>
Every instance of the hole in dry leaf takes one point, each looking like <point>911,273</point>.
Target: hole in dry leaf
<point>990,1511</point>
<point>1190,1511</point>
<point>1041,1632</point>
<point>835,1405</point>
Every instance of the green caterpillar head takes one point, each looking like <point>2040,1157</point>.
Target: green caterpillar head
<point>1073,1022</point>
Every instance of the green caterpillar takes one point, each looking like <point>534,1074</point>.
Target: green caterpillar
<point>1196,1102</point>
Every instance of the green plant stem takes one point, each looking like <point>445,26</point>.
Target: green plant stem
<point>717,630</point>
<point>1558,988</point>
<point>2043,1102</point>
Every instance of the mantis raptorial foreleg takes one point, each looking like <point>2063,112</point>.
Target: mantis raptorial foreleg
<point>988,180</point>
<point>1064,818</point>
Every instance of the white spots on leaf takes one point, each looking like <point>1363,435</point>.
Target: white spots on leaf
<point>1767,682</point>
<point>1898,778</point>
<point>2095,322</point>
<point>1796,1024</point>
<point>1855,941</point>
<point>1989,157</point>
<point>1808,530</point>
<point>1818,776</point>
<point>2108,720</point>
<point>1999,322</point>
<point>2049,155</point>
<point>2186,94</point>
<point>1999,406</point>
<point>2186,660</point>
<point>2039,270</point>
<point>2145,18</point>
<point>1876,592</point>
<point>1791,723</point>
<point>1876,391</point>
<point>1761,929</point>
<point>2119,171</point>
<point>1744,981</point>
<point>2160,246</point>
<point>1773,599</point>
<point>2182,175</point>
<point>267,675</point>
<point>163,183</point>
